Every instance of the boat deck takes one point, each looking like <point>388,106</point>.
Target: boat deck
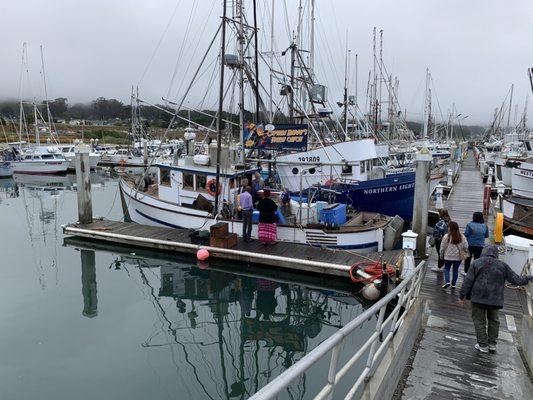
<point>445,364</point>
<point>282,255</point>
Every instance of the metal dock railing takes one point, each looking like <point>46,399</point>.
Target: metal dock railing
<point>405,293</point>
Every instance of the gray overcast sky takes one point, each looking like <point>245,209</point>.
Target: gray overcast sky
<point>475,49</point>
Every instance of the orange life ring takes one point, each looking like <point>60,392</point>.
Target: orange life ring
<point>211,187</point>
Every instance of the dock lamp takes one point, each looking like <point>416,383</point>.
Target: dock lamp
<point>500,189</point>
<point>409,246</point>
<point>439,203</point>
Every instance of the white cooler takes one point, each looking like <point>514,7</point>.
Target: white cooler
<point>517,252</point>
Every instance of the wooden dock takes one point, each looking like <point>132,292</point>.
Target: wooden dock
<point>445,364</point>
<point>281,255</point>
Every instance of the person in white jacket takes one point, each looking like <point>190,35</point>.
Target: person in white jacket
<point>453,249</point>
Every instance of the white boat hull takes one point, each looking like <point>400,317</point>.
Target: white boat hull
<point>39,166</point>
<point>6,170</point>
<point>94,159</point>
<point>149,210</point>
<point>522,180</point>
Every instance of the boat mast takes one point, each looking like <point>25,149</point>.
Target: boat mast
<point>426,106</point>
<point>312,38</point>
<point>345,100</point>
<point>21,107</point>
<point>48,113</point>
<point>256,57</point>
<point>37,136</point>
<point>240,44</point>
<point>510,106</point>
<point>272,64</point>
<point>220,100</point>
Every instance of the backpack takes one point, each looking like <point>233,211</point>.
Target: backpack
<point>441,228</point>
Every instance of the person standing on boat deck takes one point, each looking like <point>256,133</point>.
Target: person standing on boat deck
<point>453,249</point>
<point>267,218</point>
<point>441,228</point>
<point>484,287</point>
<point>257,185</point>
<point>286,202</point>
<point>242,188</point>
<point>247,209</point>
<point>476,232</point>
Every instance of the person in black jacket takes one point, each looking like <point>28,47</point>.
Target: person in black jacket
<point>484,286</point>
<point>267,218</point>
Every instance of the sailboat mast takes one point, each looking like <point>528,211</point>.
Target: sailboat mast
<point>240,43</point>
<point>48,113</point>
<point>220,100</point>
<point>37,137</point>
<point>21,107</point>
<point>510,106</point>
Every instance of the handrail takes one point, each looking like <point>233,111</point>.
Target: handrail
<point>406,293</point>
<point>528,270</point>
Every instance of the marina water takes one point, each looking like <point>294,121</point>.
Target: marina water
<point>81,321</point>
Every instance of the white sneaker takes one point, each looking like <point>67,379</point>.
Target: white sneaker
<point>436,269</point>
<point>492,348</point>
<point>481,349</point>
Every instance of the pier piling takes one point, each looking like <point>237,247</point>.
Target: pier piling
<point>420,206</point>
<point>83,185</point>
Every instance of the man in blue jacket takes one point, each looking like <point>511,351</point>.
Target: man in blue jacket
<point>484,286</point>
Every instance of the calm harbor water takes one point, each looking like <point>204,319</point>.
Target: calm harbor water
<point>87,321</point>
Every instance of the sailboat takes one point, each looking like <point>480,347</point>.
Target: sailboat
<point>36,159</point>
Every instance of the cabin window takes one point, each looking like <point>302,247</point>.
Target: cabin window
<point>363,167</point>
<point>347,169</point>
<point>201,182</point>
<point>188,181</point>
<point>164,176</point>
<point>47,156</point>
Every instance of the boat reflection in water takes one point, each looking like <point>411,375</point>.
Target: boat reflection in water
<point>228,334</point>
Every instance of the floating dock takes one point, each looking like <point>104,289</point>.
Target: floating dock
<point>282,254</point>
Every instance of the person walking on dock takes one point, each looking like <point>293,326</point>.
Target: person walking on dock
<point>484,287</point>
<point>453,249</point>
<point>267,218</point>
<point>476,232</point>
<point>441,228</point>
<point>247,208</point>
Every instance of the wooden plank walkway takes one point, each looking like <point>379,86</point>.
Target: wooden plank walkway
<point>446,365</point>
<point>281,255</point>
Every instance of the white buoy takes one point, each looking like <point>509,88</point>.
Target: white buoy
<point>370,292</point>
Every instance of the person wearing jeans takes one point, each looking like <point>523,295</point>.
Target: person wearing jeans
<point>247,207</point>
<point>476,232</point>
<point>453,250</point>
<point>484,286</point>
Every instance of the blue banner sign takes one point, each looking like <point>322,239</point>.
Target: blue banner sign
<point>275,136</point>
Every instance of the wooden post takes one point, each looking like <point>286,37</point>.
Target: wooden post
<point>88,283</point>
<point>145,152</point>
<point>83,183</point>
<point>420,206</point>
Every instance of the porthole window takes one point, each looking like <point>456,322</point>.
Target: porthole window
<point>312,170</point>
<point>295,171</point>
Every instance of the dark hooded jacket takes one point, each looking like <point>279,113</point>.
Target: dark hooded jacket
<point>486,279</point>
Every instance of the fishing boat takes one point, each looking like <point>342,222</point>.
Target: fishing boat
<point>185,193</point>
<point>522,179</point>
